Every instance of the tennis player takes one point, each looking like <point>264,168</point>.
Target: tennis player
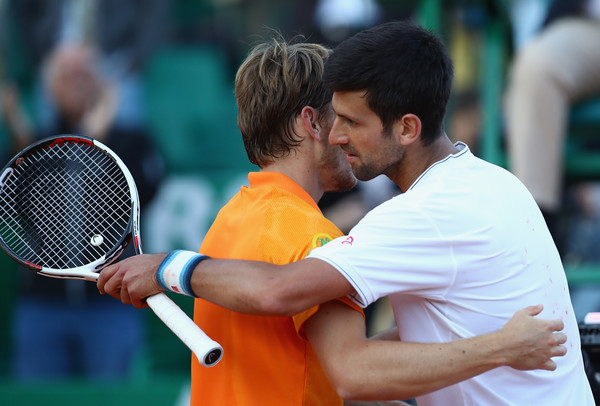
<point>285,116</point>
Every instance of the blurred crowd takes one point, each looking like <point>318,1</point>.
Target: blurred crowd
<point>80,66</point>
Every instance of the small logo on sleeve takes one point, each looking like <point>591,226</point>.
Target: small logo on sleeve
<point>348,241</point>
<point>319,240</point>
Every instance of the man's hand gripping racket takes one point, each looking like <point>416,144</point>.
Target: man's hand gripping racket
<point>69,207</point>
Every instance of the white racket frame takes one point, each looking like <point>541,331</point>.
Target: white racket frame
<point>208,351</point>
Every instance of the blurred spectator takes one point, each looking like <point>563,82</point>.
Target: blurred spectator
<point>124,32</point>
<point>65,327</point>
<point>550,71</point>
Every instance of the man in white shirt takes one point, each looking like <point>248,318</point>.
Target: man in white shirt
<point>458,252</point>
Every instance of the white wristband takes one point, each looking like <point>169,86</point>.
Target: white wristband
<point>175,271</point>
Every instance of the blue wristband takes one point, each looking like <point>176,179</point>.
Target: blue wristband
<point>175,271</point>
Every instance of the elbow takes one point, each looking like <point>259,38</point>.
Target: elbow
<point>350,389</point>
<point>348,384</point>
<point>347,393</point>
<point>359,387</point>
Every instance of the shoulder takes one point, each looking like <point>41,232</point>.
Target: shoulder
<point>297,226</point>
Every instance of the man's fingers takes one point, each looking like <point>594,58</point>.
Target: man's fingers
<point>100,284</point>
<point>140,304</point>
<point>559,351</point>
<point>124,296</point>
<point>104,276</point>
<point>533,310</point>
<point>549,365</point>
<point>557,324</point>
<point>560,338</point>
<point>110,282</point>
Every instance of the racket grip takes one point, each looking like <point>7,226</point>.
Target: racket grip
<point>206,350</point>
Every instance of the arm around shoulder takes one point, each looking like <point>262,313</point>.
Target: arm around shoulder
<point>363,369</point>
<point>251,287</point>
<point>261,288</point>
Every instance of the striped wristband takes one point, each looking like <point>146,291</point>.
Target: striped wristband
<point>175,271</point>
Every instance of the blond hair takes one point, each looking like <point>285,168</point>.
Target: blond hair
<point>273,84</point>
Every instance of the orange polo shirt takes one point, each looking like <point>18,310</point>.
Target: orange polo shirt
<point>266,361</point>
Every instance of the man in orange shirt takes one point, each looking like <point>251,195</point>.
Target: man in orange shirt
<point>285,116</point>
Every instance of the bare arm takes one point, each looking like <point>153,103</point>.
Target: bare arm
<point>363,369</point>
<point>380,369</point>
<point>251,287</point>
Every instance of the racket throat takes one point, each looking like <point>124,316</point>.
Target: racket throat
<point>84,272</point>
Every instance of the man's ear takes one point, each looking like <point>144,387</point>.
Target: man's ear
<point>408,129</point>
<point>310,121</point>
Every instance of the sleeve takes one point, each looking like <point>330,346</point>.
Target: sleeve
<point>380,257</point>
<point>300,318</point>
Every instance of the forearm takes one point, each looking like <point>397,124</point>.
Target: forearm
<point>256,287</point>
<point>381,370</point>
<point>251,287</point>
<point>219,282</point>
<point>363,369</point>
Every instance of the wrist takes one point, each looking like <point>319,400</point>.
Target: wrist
<point>175,271</point>
<point>498,349</point>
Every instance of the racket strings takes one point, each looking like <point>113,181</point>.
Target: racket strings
<point>58,202</point>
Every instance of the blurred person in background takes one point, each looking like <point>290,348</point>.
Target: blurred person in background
<point>125,34</point>
<point>552,69</point>
<point>59,323</point>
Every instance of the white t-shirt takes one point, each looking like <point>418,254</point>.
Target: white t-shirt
<point>458,253</point>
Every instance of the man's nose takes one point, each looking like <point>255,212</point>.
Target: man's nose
<point>336,136</point>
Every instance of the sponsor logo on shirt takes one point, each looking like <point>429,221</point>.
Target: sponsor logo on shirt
<point>319,240</point>
<point>348,241</point>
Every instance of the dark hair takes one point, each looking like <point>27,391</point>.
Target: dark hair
<point>272,86</point>
<point>403,69</point>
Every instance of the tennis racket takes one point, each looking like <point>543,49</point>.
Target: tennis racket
<point>69,207</point>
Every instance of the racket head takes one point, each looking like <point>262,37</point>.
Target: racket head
<point>68,207</point>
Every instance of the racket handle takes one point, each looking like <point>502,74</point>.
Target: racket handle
<point>206,350</point>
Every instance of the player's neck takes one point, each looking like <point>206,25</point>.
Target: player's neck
<point>418,159</point>
<point>301,172</point>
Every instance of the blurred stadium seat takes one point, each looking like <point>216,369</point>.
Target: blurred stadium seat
<point>192,111</point>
